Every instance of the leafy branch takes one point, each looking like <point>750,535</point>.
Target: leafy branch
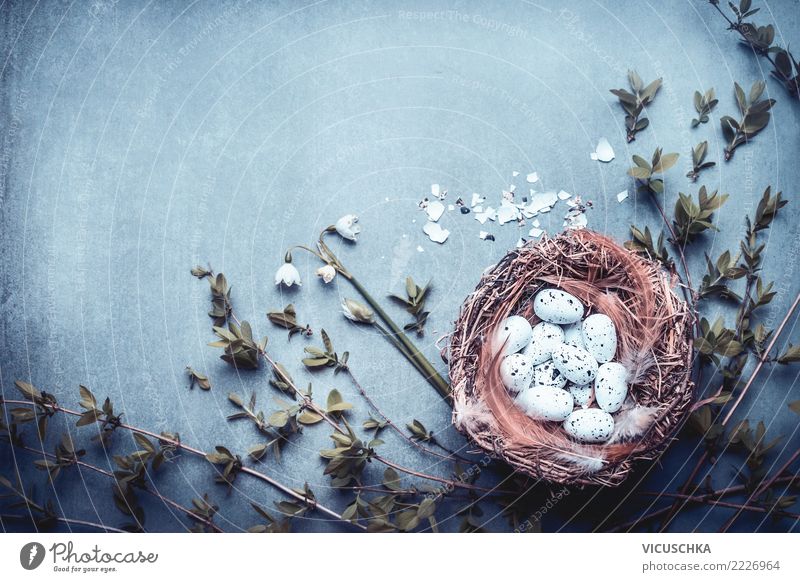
<point>635,102</point>
<point>754,117</point>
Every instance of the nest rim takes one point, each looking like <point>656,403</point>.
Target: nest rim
<point>484,307</point>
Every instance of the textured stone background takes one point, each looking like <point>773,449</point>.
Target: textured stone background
<point>140,138</point>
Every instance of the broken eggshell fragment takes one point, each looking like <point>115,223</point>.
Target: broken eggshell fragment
<point>516,371</point>
<point>546,403</point>
<point>557,306</point>
<point>544,339</point>
<point>575,364</point>
<point>435,232</point>
<point>590,425</point>
<point>515,332</point>
<point>611,386</point>
<point>599,337</point>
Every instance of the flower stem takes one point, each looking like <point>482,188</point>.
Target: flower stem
<point>425,367</point>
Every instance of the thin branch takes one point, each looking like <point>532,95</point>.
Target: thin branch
<point>391,424</point>
<point>111,475</point>
<point>182,446</point>
<point>761,489</point>
<point>676,507</point>
<point>70,521</point>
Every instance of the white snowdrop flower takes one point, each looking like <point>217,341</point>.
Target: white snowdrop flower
<point>347,226</point>
<point>326,273</point>
<point>288,275</point>
<point>358,312</point>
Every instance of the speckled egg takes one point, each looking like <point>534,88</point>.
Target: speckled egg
<point>546,403</point>
<point>546,374</point>
<point>544,339</point>
<point>599,337</point>
<point>516,330</point>
<point>573,335</point>
<point>575,364</point>
<point>581,394</point>
<point>556,306</point>
<point>590,425</point>
<point>611,386</point>
<point>516,372</point>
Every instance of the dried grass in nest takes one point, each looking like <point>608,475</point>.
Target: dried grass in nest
<point>654,342</point>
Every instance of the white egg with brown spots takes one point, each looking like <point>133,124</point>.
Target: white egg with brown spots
<point>573,334</point>
<point>599,337</point>
<point>581,394</point>
<point>516,372</point>
<point>557,306</point>
<point>546,403</point>
<point>544,339</point>
<point>590,425</point>
<point>611,386</point>
<point>575,364</point>
<point>515,332</point>
<point>546,374</point>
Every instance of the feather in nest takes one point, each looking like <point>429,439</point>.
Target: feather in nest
<point>632,422</point>
<point>471,415</point>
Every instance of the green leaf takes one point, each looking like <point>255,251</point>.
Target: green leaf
<point>665,163</point>
<point>791,354</point>
<point>639,173</point>
<point>308,417</point>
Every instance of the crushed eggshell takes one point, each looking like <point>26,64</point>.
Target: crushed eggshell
<point>622,196</point>
<point>539,201</point>
<point>535,232</point>
<point>435,210</point>
<point>507,212</point>
<point>488,214</point>
<point>603,152</point>
<point>477,199</point>
<point>437,191</point>
<point>563,194</point>
<point>532,178</point>
<point>435,232</point>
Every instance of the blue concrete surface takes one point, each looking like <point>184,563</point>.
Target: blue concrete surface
<point>141,138</point>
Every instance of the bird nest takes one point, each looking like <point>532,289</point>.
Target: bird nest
<point>655,344</point>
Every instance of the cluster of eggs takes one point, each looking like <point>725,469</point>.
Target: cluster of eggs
<point>554,367</point>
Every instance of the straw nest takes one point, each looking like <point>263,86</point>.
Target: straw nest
<point>654,342</point>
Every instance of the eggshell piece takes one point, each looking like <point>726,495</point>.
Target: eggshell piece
<point>546,403</point>
<point>516,372</point>
<point>590,425</point>
<point>575,364</point>
<point>517,330</point>
<point>544,339</point>
<point>611,386</point>
<point>599,337</point>
<point>557,306</point>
